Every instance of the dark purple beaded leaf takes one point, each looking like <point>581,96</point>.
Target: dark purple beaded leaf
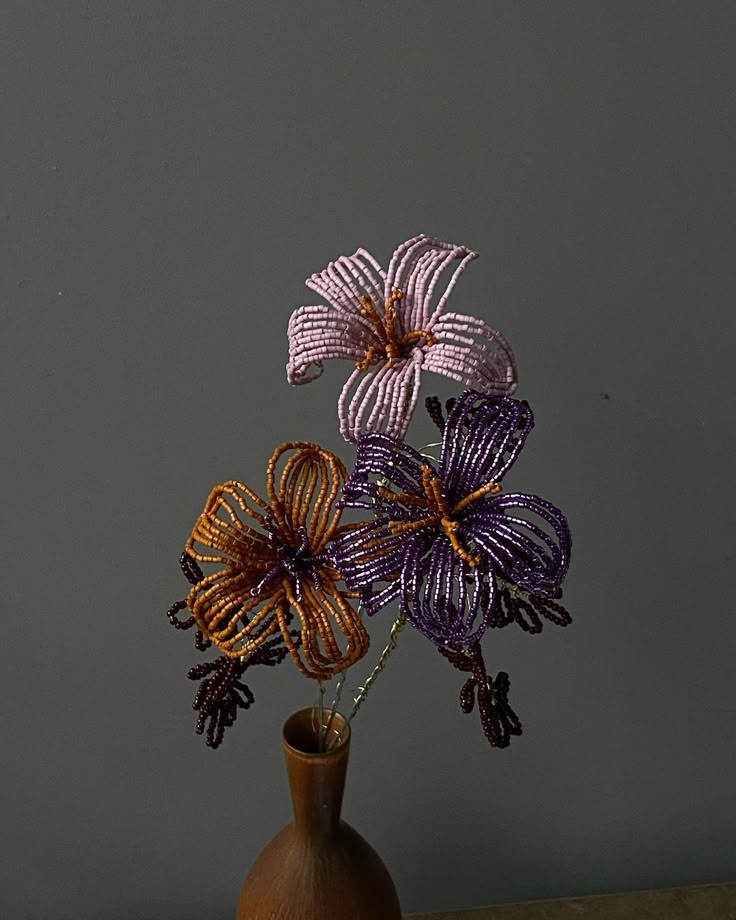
<point>190,567</point>
<point>498,719</point>
<point>173,616</point>
<point>222,693</point>
<point>527,610</point>
<point>434,409</point>
<point>193,574</point>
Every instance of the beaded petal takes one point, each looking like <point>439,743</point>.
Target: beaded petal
<point>393,325</point>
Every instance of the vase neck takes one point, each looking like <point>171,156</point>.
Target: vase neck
<point>316,780</point>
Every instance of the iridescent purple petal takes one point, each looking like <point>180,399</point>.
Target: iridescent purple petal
<point>367,555</point>
<point>483,437</point>
<point>529,554</point>
<point>381,457</point>
<point>443,596</point>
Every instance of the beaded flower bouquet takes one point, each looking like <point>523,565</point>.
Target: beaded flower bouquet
<point>440,540</point>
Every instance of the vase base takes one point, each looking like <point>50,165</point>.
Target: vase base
<point>336,877</point>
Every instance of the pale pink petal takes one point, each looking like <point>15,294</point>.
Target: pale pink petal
<point>416,268</point>
<point>318,333</point>
<point>383,400</point>
<point>346,280</point>
<point>474,354</point>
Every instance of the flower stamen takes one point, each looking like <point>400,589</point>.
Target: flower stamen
<point>434,501</point>
<point>392,345</point>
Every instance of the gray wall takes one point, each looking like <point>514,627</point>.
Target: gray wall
<point>170,175</point>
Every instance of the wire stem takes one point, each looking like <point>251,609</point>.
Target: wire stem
<point>398,625</point>
<point>320,709</point>
<point>333,711</point>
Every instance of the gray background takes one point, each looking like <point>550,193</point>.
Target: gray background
<point>171,172</point>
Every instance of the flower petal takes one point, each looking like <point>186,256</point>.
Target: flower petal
<point>333,636</point>
<point>471,352</point>
<point>383,400</point>
<point>443,596</point>
<point>309,484</point>
<point>318,333</point>
<point>369,554</point>
<point>220,528</point>
<point>381,461</point>
<point>229,615</point>
<point>483,437</point>
<point>416,268</point>
<point>532,553</point>
<point>346,280</point>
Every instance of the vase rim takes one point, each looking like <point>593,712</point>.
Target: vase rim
<point>298,733</point>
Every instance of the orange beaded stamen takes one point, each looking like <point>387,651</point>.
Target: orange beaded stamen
<point>440,514</point>
<point>392,345</point>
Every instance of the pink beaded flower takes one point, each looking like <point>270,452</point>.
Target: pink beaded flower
<point>389,324</point>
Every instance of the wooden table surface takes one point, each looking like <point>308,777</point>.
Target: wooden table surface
<point>701,902</point>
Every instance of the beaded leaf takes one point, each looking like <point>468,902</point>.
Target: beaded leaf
<point>498,719</point>
<point>527,610</point>
<point>221,692</point>
<point>393,325</point>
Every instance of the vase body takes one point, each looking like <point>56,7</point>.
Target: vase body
<point>318,867</point>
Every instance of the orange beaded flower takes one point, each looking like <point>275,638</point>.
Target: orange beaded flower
<point>279,567</point>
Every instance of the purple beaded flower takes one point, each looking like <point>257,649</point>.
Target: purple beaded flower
<point>389,325</point>
<point>447,538</point>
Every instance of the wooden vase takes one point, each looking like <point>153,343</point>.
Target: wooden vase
<point>318,867</point>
